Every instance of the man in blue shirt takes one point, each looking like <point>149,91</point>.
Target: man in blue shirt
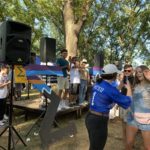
<point>63,82</point>
<point>104,95</point>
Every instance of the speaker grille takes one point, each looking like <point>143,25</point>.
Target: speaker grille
<point>18,51</point>
<point>15,42</point>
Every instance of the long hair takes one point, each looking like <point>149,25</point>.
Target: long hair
<point>143,68</point>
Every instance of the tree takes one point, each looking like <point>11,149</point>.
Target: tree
<point>73,23</point>
<point>68,17</point>
<point>119,28</point>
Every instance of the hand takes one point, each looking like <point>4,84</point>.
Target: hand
<point>121,85</point>
<point>8,82</point>
<point>69,58</point>
<point>127,85</point>
<point>129,89</point>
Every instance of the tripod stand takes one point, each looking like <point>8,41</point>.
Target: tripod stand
<point>10,126</point>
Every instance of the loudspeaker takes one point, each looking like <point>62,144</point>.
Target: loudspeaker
<point>15,42</point>
<point>48,49</point>
<point>99,59</point>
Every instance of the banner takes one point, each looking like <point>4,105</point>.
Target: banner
<point>31,74</point>
<point>20,74</point>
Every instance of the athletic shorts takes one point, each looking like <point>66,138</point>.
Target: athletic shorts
<point>62,83</point>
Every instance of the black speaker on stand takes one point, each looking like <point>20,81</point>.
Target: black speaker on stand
<point>47,52</point>
<point>15,42</point>
<point>32,61</point>
<point>99,59</point>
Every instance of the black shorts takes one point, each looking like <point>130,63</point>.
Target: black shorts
<point>74,88</point>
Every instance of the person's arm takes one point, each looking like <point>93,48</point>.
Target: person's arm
<point>2,85</point>
<point>121,85</point>
<point>68,67</point>
<point>120,99</point>
<point>62,67</point>
<point>72,66</point>
<point>58,62</point>
<point>123,82</point>
<point>129,89</point>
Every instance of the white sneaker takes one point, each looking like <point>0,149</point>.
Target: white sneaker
<point>65,104</point>
<point>6,117</point>
<point>85,102</point>
<point>1,123</point>
<point>42,97</point>
<point>48,100</point>
<point>60,106</point>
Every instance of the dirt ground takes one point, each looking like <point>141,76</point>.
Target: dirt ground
<point>76,142</point>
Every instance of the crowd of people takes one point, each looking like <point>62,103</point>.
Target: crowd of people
<point>127,91</point>
<point>71,89</point>
<point>132,94</point>
<point>75,87</point>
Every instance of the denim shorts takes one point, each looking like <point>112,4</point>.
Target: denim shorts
<point>132,122</point>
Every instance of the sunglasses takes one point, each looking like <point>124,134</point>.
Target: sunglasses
<point>127,70</point>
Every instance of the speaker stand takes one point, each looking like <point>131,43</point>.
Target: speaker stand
<point>10,127</point>
<point>28,90</point>
<point>35,123</point>
<point>56,124</point>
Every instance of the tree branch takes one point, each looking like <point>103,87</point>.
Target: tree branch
<point>85,9</point>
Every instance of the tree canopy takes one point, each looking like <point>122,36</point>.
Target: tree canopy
<point>121,29</point>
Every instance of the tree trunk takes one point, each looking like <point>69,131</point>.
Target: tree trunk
<point>71,40</point>
<point>70,36</point>
<point>72,28</point>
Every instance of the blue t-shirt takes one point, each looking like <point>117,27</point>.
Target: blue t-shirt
<point>63,62</point>
<point>104,95</point>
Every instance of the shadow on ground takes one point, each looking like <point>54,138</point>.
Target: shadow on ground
<point>73,142</point>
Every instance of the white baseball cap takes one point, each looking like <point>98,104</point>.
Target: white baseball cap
<point>84,61</point>
<point>110,69</point>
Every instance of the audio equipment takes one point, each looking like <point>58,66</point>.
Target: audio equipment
<point>15,42</point>
<point>48,49</point>
<point>99,59</point>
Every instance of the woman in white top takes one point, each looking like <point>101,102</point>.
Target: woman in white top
<point>4,82</point>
